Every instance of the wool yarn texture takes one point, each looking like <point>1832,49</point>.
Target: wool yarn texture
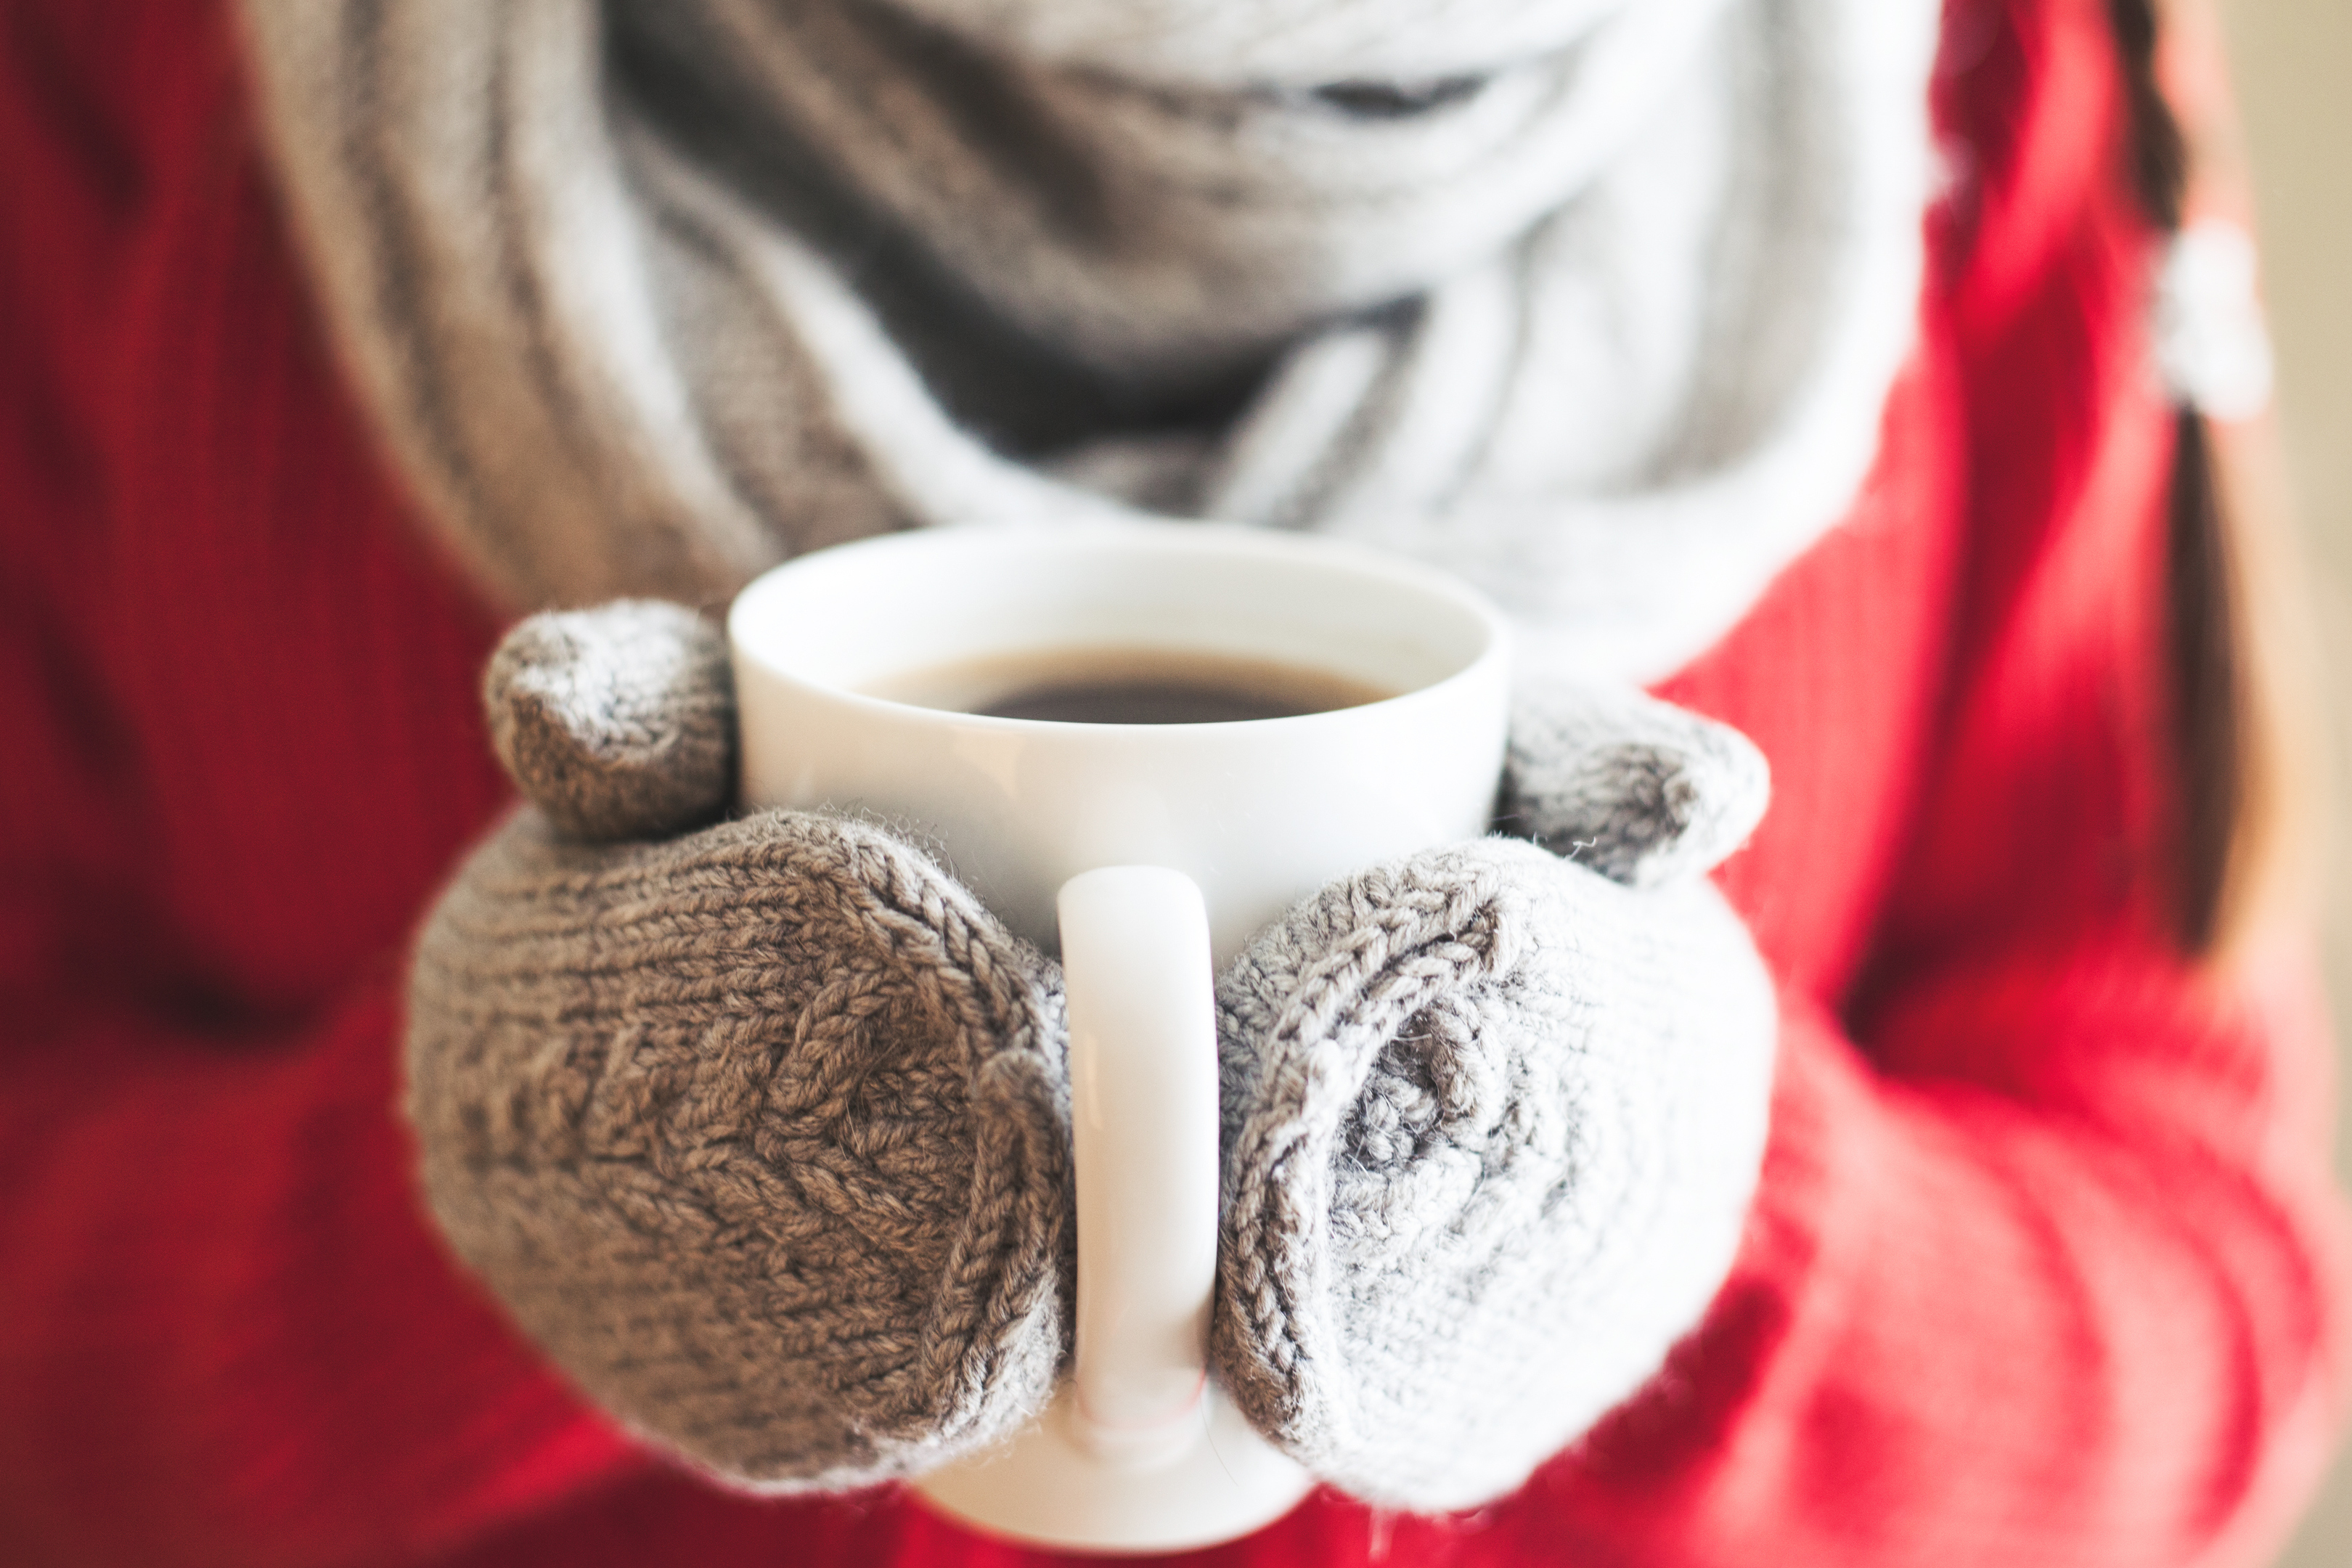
<point>1595,302</point>
<point>1646,793</point>
<point>618,723</point>
<point>1492,1121</point>
<point>760,1133</point>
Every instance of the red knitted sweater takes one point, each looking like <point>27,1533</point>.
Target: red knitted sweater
<point>2044,1268</point>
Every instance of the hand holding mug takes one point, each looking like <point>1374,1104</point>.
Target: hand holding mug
<point>759,1127</point>
<point>614,743</point>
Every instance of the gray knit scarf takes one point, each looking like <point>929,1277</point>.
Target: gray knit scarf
<point>1594,302</point>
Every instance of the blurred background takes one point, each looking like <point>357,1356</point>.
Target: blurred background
<point>2293,61</point>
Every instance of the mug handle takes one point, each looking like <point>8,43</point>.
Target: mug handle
<point>1136,1452</point>
<point>1143,1094</point>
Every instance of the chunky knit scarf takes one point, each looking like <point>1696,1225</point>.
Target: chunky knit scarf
<point>1595,302</point>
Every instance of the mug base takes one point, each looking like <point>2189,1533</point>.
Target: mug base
<point>1046,1488</point>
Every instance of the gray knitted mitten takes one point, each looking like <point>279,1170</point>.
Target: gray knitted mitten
<point>1492,1119</point>
<point>762,1133</point>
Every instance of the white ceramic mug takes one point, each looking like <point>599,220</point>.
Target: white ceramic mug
<point>1146,855</point>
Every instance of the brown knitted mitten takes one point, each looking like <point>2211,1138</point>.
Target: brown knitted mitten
<point>760,1133</point>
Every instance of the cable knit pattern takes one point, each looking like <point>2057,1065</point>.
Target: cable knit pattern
<point>2045,1267</point>
<point>760,1133</point>
<point>1491,1125</point>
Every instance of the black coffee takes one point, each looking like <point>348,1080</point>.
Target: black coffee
<point>1128,686</point>
<point>1147,703</point>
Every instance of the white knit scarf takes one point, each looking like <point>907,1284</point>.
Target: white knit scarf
<point>1595,302</point>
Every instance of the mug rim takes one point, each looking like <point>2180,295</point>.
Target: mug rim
<point>755,629</point>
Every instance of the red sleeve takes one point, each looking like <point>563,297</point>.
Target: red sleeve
<point>2046,1266</point>
<point>228,1335</point>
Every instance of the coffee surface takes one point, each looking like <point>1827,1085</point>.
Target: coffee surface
<point>1126,686</point>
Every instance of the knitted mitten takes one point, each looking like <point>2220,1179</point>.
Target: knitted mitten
<point>762,1132</point>
<point>1492,1118</point>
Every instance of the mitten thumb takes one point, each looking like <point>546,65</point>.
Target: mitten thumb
<point>618,722</point>
<point>1646,793</point>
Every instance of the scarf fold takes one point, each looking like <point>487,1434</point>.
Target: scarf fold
<point>1594,302</point>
